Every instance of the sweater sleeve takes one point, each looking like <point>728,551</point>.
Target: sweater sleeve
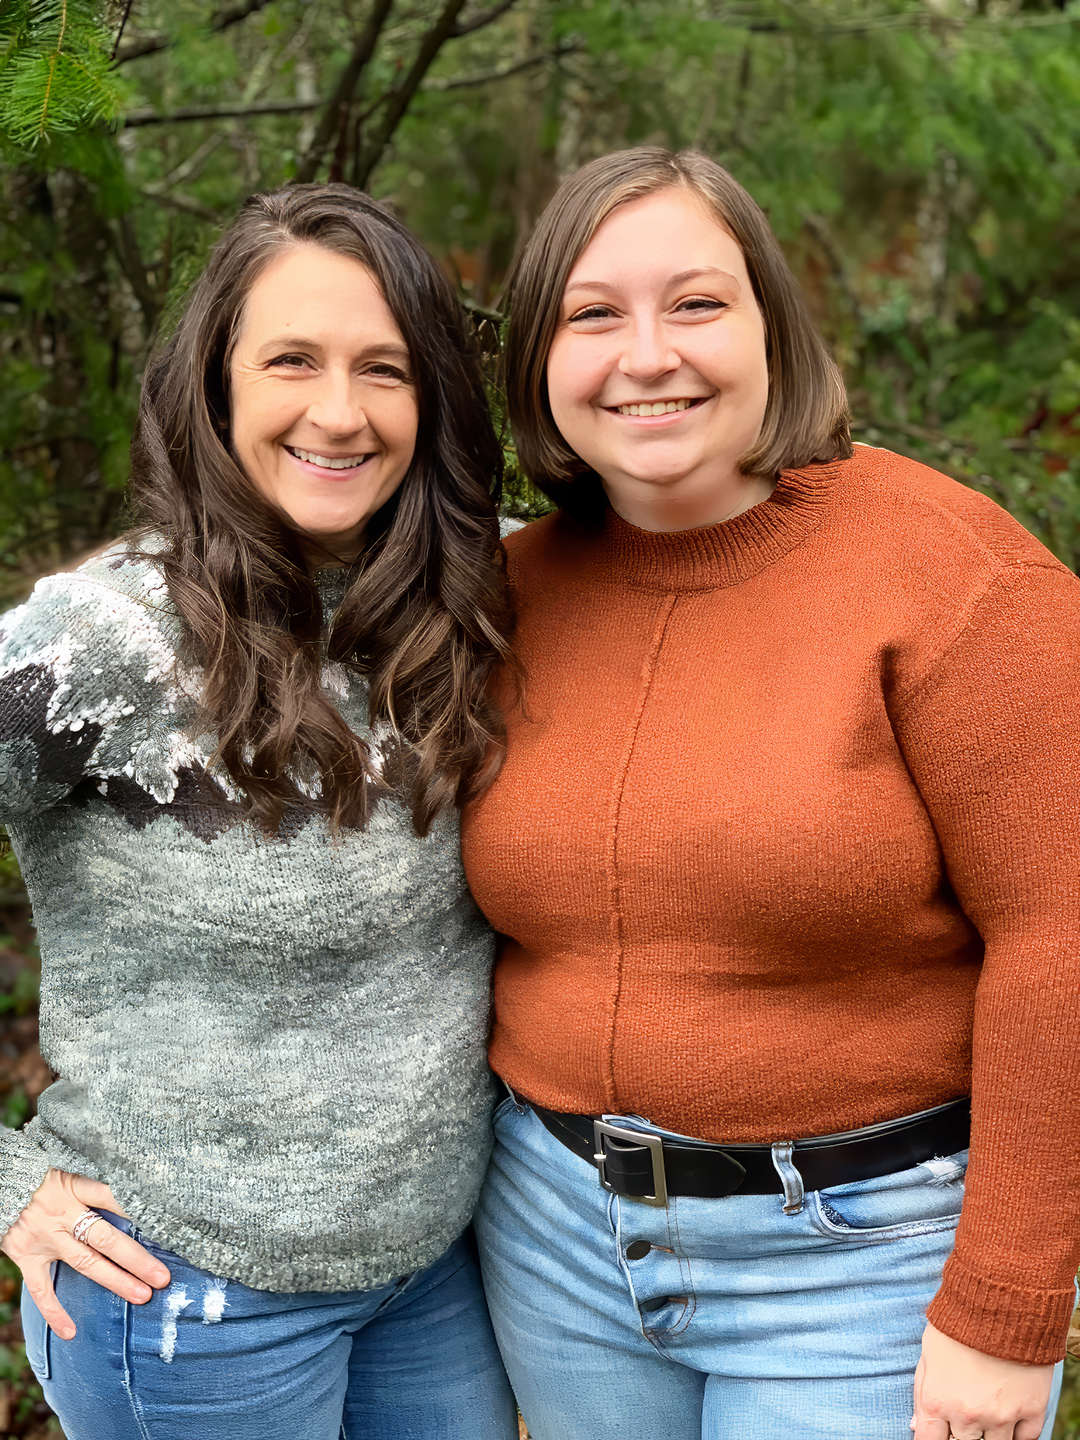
<point>992,738</point>
<point>80,664</point>
<point>77,661</point>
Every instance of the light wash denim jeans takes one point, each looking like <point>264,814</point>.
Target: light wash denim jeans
<point>739,1321</point>
<point>208,1359</point>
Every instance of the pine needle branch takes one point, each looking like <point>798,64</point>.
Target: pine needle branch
<point>55,73</point>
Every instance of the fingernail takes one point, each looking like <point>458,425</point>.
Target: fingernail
<point>161,1277</point>
<point>66,1332</point>
<point>142,1295</point>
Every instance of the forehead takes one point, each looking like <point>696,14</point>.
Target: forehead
<point>307,286</point>
<point>672,230</point>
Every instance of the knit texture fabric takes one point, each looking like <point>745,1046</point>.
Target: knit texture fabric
<point>273,1049</point>
<point>787,842</point>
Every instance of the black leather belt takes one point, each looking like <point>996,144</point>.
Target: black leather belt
<point>645,1167</point>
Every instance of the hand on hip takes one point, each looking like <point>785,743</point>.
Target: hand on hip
<point>962,1394</point>
<point>43,1233</point>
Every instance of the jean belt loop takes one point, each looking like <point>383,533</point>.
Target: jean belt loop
<point>789,1176</point>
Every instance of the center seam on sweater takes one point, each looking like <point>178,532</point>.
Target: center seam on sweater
<point>648,674</point>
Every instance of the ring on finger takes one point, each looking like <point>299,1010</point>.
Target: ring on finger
<point>83,1223</point>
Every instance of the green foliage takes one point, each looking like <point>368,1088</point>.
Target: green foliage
<point>920,162</point>
<point>23,995</point>
<point>55,71</point>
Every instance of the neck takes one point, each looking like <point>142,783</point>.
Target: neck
<point>688,504</point>
<point>324,557</point>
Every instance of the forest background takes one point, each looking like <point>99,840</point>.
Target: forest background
<point>919,160</point>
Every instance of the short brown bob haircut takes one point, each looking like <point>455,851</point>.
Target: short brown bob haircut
<point>806,418</point>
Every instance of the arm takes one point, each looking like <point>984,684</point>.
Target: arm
<point>50,713</point>
<point>992,738</point>
<point>62,657</point>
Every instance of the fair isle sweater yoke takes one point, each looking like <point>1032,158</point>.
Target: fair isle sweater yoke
<point>271,1048</point>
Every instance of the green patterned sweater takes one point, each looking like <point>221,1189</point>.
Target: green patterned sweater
<point>273,1049</point>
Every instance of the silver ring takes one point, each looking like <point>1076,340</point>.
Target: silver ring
<point>82,1225</point>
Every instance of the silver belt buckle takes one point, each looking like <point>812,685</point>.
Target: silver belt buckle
<point>652,1143</point>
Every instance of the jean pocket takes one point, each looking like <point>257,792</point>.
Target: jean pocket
<point>38,1339</point>
<point>501,1109</point>
<point>917,1201</point>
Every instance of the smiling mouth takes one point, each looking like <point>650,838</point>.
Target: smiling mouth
<point>328,462</point>
<point>657,407</point>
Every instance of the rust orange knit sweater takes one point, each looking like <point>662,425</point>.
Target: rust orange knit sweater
<point>787,842</point>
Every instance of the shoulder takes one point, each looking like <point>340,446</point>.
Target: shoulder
<point>115,604</point>
<point>920,519</point>
<point>531,541</point>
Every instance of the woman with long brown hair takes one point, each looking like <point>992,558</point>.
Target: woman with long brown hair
<point>232,749</point>
<point>786,855</point>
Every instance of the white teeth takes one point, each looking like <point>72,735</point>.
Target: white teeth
<point>661,407</point>
<point>349,462</point>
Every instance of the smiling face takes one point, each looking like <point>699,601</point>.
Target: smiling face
<point>657,376</point>
<point>323,407</point>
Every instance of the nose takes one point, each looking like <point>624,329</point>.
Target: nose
<point>648,353</point>
<point>336,405</point>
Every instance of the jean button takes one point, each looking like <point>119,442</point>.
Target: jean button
<point>637,1249</point>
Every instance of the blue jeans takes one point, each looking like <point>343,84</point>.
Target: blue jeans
<point>208,1358</point>
<point>737,1320</point>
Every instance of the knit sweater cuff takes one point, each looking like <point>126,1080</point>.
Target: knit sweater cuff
<point>23,1166</point>
<point>1009,1321</point>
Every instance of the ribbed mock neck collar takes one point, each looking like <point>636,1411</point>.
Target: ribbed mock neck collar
<point>726,554</point>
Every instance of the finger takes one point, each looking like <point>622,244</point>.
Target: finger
<point>39,1287</point>
<point>88,1262</point>
<point>127,1254</point>
<point>93,1195</point>
<point>924,1428</point>
<point>1030,1429</point>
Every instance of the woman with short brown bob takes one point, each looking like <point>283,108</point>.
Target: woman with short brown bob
<point>785,855</point>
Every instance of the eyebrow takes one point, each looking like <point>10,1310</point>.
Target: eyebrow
<point>284,344</point>
<point>678,279</point>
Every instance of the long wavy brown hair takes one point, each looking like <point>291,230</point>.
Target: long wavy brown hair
<point>425,618</point>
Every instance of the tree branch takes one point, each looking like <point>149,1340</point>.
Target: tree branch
<point>123,25</point>
<point>398,99</point>
<point>483,77</point>
<point>228,15</point>
<point>362,52</point>
<point>227,110</point>
<point>181,203</point>
<point>134,268</point>
<point>219,112</point>
<point>467,27</point>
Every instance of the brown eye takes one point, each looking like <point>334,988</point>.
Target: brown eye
<point>594,312</point>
